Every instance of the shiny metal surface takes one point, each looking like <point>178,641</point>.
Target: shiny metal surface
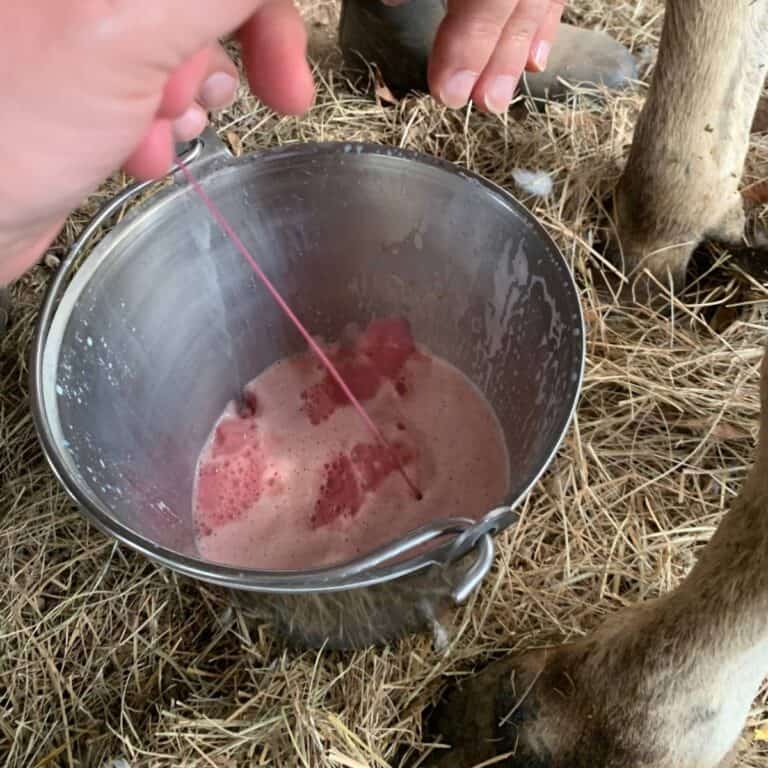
<point>145,336</point>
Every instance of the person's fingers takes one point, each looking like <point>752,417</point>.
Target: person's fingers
<point>154,155</point>
<point>192,90</point>
<point>184,84</point>
<point>463,45</point>
<point>545,37</point>
<point>496,86</point>
<point>191,124</point>
<point>210,77</point>
<point>219,86</point>
<point>274,43</point>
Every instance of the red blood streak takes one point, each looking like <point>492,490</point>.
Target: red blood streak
<point>339,493</point>
<point>249,404</point>
<point>379,353</point>
<point>226,488</point>
<point>318,402</point>
<point>389,344</point>
<point>361,377</point>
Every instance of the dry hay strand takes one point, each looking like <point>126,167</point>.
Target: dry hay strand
<point>108,660</point>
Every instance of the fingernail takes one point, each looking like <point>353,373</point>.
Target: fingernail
<point>458,88</point>
<point>218,90</point>
<point>541,55</point>
<point>191,124</point>
<point>500,93</point>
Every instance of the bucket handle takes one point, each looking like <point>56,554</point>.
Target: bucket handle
<point>480,536</point>
<point>469,536</point>
<point>474,576</point>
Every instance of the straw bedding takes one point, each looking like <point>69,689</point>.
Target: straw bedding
<point>109,661</point>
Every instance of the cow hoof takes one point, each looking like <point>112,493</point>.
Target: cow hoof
<point>582,58</point>
<point>398,40</point>
<point>749,254</point>
<point>491,715</point>
<point>581,705</point>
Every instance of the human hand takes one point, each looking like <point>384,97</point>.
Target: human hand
<point>88,86</point>
<point>483,46</point>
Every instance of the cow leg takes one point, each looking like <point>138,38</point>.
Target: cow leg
<point>681,182</point>
<point>666,684</point>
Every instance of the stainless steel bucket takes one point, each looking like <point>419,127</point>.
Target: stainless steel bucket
<point>146,334</point>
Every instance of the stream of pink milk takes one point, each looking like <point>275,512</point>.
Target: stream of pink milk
<point>221,220</point>
<point>291,478</point>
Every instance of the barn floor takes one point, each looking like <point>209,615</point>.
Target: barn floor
<point>109,661</point>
